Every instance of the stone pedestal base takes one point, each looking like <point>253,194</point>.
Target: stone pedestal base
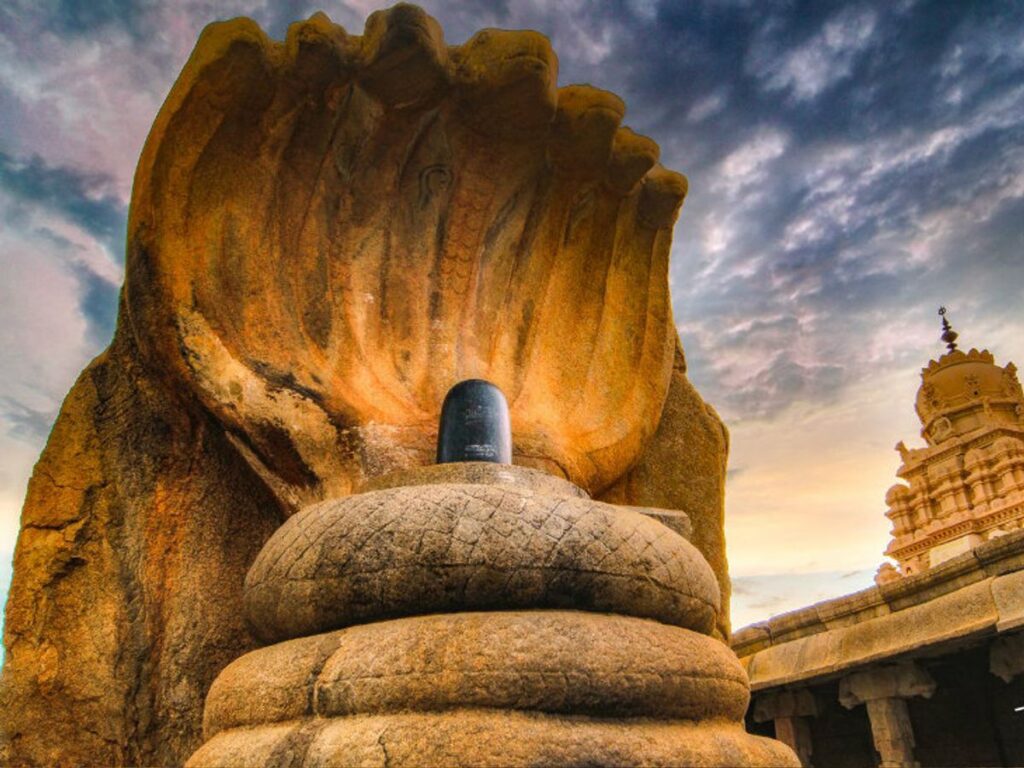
<point>488,738</point>
<point>505,621</point>
<point>490,688</point>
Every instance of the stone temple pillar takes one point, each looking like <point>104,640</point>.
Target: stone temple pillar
<point>885,691</point>
<point>791,711</point>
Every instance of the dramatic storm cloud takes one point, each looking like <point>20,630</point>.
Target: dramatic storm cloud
<point>852,166</point>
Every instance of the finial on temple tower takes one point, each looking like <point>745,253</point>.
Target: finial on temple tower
<point>948,334</point>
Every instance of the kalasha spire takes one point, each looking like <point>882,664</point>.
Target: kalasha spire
<point>948,334</point>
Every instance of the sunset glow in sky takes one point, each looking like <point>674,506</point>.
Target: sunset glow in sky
<point>852,167</point>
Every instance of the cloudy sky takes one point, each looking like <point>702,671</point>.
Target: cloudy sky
<point>852,166</point>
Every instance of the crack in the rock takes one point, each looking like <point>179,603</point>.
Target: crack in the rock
<point>383,747</point>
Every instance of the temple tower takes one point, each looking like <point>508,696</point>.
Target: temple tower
<point>967,485</point>
<point>925,667</point>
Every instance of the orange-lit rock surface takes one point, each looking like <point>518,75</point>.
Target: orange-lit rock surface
<point>325,235</point>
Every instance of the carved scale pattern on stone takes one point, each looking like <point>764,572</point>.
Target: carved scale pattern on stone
<point>459,622</point>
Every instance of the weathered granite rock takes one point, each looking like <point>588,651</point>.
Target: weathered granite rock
<point>324,235</point>
<point>139,523</point>
<point>548,661</point>
<point>499,739</point>
<point>436,548</point>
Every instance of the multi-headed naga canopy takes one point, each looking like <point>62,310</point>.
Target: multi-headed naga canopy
<point>328,233</point>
